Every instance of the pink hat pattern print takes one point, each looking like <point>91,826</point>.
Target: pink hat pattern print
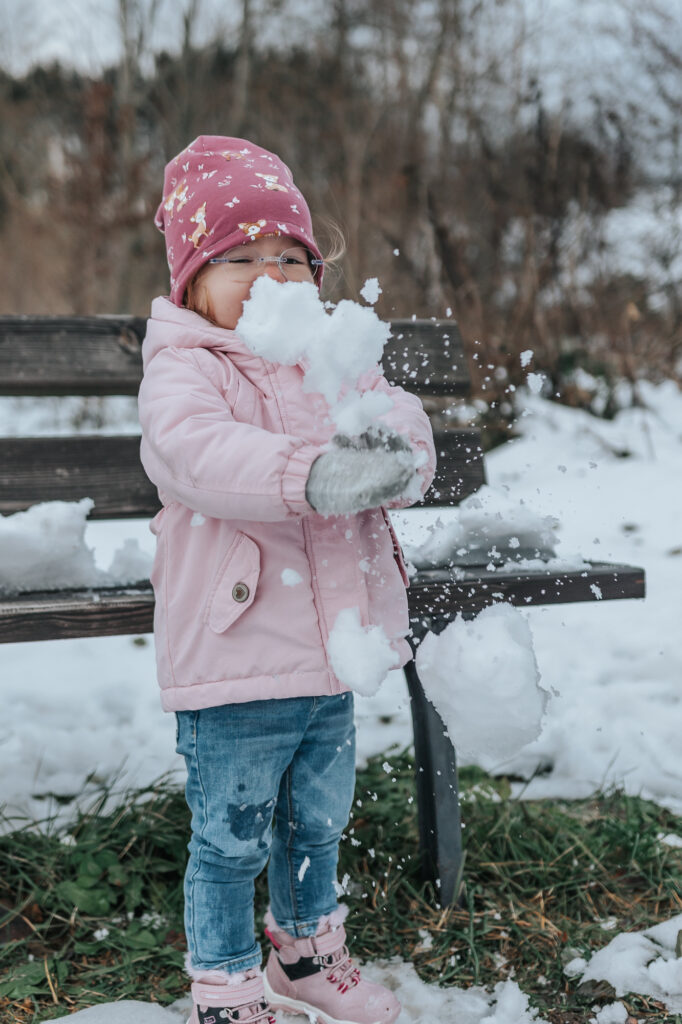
<point>220,192</point>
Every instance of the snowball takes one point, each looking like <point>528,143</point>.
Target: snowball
<point>483,679</point>
<point>288,323</point>
<point>291,578</point>
<point>371,290</point>
<point>360,656</point>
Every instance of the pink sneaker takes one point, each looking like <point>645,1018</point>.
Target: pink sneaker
<point>243,1003</point>
<point>317,976</point>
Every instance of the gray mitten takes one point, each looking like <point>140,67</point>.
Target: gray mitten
<point>355,475</point>
<point>374,437</point>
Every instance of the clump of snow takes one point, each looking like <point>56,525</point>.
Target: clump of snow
<point>129,564</point>
<point>483,679</point>
<point>487,526</point>
<point>614,1013</point>
<point>361,656</point>
<point>43,548</point>
<point>642,962</point>
<point>288,323</point>
<point>291,578</point>
<point>371,290</point>
<point>526,357</point>
<point>535,382</point>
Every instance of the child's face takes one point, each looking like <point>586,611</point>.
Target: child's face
<point>221,297</point>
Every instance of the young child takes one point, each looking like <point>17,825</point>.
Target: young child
<point>269,529</point>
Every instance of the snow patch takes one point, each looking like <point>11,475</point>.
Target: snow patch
<point>643,962</point>
<point>44,548</point>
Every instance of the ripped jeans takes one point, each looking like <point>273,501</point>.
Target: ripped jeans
<point>268,778</point>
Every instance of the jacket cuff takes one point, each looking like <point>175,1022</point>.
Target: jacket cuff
<point>295,478</point>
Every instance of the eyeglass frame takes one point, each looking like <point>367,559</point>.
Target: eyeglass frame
<point>316,265</point>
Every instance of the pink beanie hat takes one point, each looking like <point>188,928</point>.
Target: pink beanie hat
<point>220,192</point>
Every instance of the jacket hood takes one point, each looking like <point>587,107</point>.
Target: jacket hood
<point>171,326</point>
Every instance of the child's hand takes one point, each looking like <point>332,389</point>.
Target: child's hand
<point>360,473</point>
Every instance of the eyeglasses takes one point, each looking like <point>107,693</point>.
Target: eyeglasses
<point>293,265</point>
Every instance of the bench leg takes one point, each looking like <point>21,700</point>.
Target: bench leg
<point>440,830</point>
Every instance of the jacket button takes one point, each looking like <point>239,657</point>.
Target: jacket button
<point>240,592</point>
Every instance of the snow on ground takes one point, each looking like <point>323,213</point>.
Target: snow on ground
<point>80,711</point>
<point>422,1003</point>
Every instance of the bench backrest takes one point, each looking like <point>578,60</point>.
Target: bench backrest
<point>101,355</point>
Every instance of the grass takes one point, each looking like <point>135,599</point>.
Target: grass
<point>95,913</point>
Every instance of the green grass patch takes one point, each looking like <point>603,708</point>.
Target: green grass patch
<point>94,913</point>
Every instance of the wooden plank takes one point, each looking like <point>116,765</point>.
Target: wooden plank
<point>100,355</point>
<point>106,469</point>
<point>460,470</point>
<point>435,596</point>
<point>427,356</point>
<point>83,355</point>
<point>60,615</point>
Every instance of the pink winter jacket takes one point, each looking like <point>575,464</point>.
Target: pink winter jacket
<point>229,438</point>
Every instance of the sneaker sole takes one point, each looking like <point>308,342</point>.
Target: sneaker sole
<point>278,1002</point>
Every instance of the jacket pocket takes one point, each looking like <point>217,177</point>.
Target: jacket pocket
<point>234,588</point>
<point>397,550</point>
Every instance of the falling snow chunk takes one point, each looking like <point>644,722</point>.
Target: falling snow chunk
<point>596,591</point>
<point>526,357</point>
<point>371,290</point>
<point>197,519</point>
<point>361,657</point>
<point>535,382</point>
<point>493,706</point>
<point>303,868</point>
<point>291,578</point>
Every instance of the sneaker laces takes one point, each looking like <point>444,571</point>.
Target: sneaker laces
<point>339,969</point>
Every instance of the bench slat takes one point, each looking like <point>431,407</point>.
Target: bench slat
<point>83,355</point>
<point>434,597</point>
<point>64,615</point>
<point>108,470</point>
<point>100,355</point>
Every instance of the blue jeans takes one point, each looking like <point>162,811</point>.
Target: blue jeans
<point>268,778</point>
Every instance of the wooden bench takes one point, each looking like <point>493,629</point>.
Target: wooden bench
<point>43,356</point>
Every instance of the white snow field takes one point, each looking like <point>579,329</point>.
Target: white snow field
<point>82,711</point>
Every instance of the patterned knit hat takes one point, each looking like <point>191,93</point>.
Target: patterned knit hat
<point>220,192</point>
